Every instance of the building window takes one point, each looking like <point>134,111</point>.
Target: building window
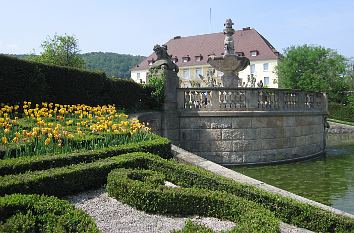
<point>199,57</point>
<point>266,81</point>
<point>254,53</point>
<point>253,68</point>
<point>175,59</point>
<point>198,72</point>
<point>186,73</point>
<point>150,62</point>
<point>137,75</point>
<point>265,67</point>
<point>186,59</point>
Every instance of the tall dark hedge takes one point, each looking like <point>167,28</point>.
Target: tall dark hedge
<point>23,80</point>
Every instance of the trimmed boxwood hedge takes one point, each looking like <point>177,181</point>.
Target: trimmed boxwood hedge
<point>145,190</point>
<point>160,146</point>
<point>35,213</point>
<point>59,181</point>
<point>71,179</point>
<point>30,81</point>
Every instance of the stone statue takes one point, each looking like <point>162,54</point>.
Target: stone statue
<point>163,59</point>
<point>230,63</point>
<point>229,41</point>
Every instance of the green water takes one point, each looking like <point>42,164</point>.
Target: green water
<point>328,180</point>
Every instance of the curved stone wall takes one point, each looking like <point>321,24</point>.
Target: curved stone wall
<point>252,137</point>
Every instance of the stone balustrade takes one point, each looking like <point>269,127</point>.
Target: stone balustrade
<point>250,99</point>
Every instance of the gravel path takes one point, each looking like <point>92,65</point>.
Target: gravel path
<point>113,216</point>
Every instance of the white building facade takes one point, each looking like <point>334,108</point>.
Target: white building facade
<point>191,54</point>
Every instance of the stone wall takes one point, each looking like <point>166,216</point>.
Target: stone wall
<point>233,138</point>
<point>254,137</point>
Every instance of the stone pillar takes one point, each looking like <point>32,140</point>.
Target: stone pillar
<point>170,118</point>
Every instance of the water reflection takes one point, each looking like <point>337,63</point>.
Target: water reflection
<point>329,180</point>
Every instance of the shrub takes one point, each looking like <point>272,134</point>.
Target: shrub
<point>30,81</point>
<point>341,112</point>
<point>59,181</point>
<point>191,227</point>
<point>34,213</point>
<point>145,190</point>
<point>157,85</point>
<point>286,209</point>
<point>72,179</point>
<point>160,146</point>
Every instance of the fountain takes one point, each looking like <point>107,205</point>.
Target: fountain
<point>229,63</point>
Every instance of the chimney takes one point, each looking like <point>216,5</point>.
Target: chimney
<point>246,28</point>
<point>177,37</point>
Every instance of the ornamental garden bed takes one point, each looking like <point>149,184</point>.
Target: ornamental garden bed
<point>135,178</point>
<point>47,129</point>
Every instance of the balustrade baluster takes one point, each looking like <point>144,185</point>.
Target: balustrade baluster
<point>204,99</point>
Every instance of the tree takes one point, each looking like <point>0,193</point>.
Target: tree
<point>113,64</point>
<point>60,50</point>
<point>314,68</point>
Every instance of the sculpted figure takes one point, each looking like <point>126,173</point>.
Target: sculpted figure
<point>163,59</point>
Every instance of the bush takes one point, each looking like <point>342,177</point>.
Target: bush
<point>211,187</point>
<point>286,209</point>
<point>191,227</point>
<point>157,85</point>
<point>34,213</point>
<point>145,190</point>
<point>160,146</point>
<point>341,112</point>
<point>30,81</point>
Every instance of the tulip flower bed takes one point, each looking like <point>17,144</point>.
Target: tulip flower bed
<point>47,128</point>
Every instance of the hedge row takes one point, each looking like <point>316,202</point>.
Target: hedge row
<point>191,227</point>
<point>61,181</point>
<point>286,209</point>
<point>341,112</point>
<point>72,179</point>
<point>34,213</point>
<point>160,146</point>
<point>30,81</point>
<point>145,190</point>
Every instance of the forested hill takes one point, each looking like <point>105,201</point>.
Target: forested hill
<point>113,64</point>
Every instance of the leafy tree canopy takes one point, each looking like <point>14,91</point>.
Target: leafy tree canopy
<point>113,64</point>
<point>61,50</point>
<point>314,68</point>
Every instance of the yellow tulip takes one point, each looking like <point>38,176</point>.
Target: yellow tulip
<point>47,141</point>
<point>4,140</point>
<point>15,139</point>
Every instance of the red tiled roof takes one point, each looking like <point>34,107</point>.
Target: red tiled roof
<point>245,40</point>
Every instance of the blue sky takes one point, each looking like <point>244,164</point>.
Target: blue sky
<point>134,27</point>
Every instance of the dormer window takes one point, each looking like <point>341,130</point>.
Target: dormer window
<point>186,59</point>
<point>150,62</point>
<point>241,54</point>
<point>254,53</point>
<point>175,59</point>
<point>199,57</point>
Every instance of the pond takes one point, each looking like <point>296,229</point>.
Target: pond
<point>328,180</point>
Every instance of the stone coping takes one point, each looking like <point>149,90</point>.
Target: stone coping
<point>190,158</point>
<point>206,113</point>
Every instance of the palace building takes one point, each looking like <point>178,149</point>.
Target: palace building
<point>191,54</point>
